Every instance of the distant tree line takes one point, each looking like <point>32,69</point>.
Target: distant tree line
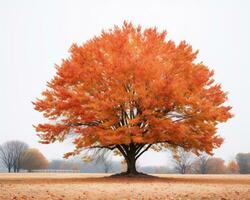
<point>92,161</point>
<point>109,166</point>
<point>187,163</point>
<point>184,163</point>
<point>16,155</point>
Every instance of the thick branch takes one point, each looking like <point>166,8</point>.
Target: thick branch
<point>139,149</point>
<point>143,151</point>
<point>119,147</point>
<point>103,147</point>
<point>93,123</point>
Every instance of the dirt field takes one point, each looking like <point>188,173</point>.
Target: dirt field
<point>97,186</point>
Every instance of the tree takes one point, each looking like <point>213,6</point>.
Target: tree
<point>11,153</point>
<point>216,166</point>
<point>19,149</point>
<point>106,162</point>
<point>55,164</point>
<point>232,167</point>
<point>243,160</point>
<point>130,90</point>
<point>101,157</point>
<point>183,161</point>
<point>200,165</point>
<point>6,155</point>
<point>33,159</point>
<point>205,164</point>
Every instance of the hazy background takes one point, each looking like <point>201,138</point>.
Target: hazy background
<point>34,35</point>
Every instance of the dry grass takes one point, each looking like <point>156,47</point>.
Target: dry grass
<point>97,186</point>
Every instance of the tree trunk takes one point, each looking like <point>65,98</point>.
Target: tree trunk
<point>131,165</point>
<point>131,153</point>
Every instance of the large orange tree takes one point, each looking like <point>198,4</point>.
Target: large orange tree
<point>130,90</point>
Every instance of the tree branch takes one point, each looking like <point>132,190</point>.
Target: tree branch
<point>103,147</point>
<point>119,147</point>
<point>143,151</point>
<point>93,123</point>
<point>139,149</point>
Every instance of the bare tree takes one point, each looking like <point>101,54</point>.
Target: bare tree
<point>106,162</point>
<point>200,166</point>
<point>19,149</point>
<point>11,153</point>
<point>100,157</point>
<point>183,161</point>
<point>6,155</point>
<point>104,159</point>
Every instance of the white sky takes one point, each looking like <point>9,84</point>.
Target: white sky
<point>34,35</point>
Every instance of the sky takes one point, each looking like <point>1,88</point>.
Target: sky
<point>36,35</point>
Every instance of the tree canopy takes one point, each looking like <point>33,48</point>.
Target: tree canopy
<point>130,90</point>
<point>33,159</point>
<point>243,161</point>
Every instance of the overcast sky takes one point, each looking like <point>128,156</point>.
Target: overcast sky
<point>34,35</point>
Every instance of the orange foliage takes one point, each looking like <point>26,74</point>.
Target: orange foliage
<point>133,86</point>
<point>216,166</point>
<point>33,159</point>
<point>233,167</point>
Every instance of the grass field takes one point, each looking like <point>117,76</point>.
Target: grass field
<point>97,186</point>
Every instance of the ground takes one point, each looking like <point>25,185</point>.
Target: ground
<point>97,186</point>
